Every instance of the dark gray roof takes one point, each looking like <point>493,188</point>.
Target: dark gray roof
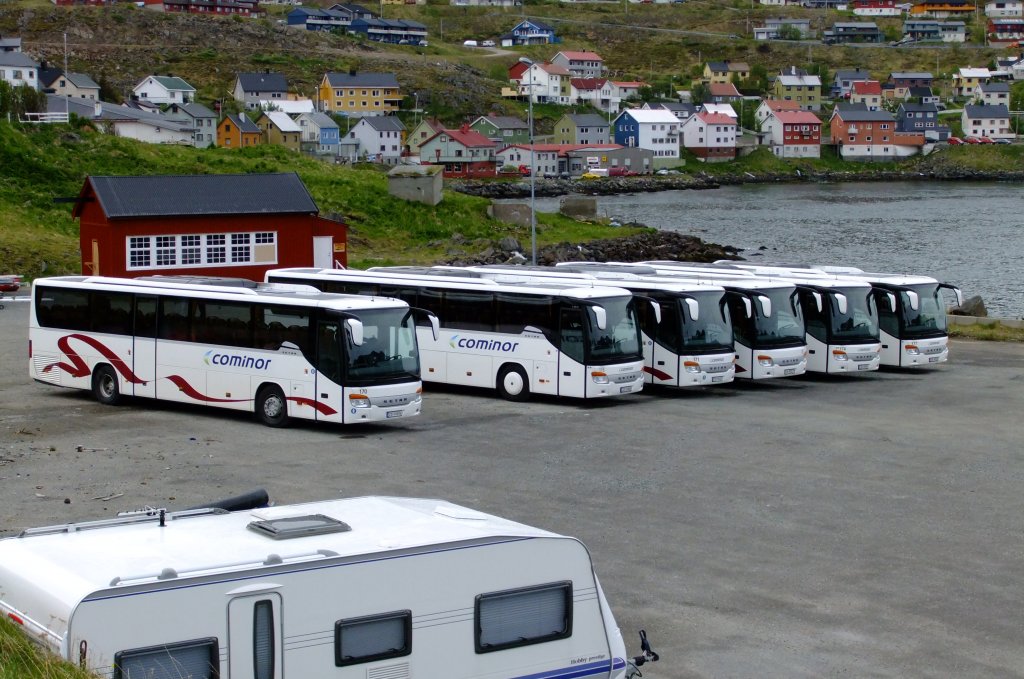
<point>504,122</point>
<point>196,110</point>
<point>204,194</point>
<point>997,111</point>
<point>994,87</point>
<point>322,120</point>
<point>243,123</point>
<point>861,115</point>
<point>588,120</point>
<point>920,108</point>
<point>263,82</point>
<point>852,73</point>
<point>384,123</point>
<point>19,59</point>
<point>921,92</point>
<point>362,80</point>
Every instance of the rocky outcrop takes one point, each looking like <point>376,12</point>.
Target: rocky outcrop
<point>649,245</point>
<point>972,306</point>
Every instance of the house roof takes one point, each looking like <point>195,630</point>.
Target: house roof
<point>467,137</point>
<point>289,106</point>
<point>676,108</point>
<point>910,75</point>
<point>384,123</point>
<point>982,111</point>
<point>588,83</point>
<point>919,108</point>
<point>867,87</point>
<point>263,82</point>
<point>862,115</point>
<point>538,24</point>
<point>19,59</point>
<point>716,118</point>
<point>718,66</point>
<point>628,84</point>
<point>195,110</point>
<point>797,117</point>
<point>10,43</point>
<point>994,87</point>
<point>362,79</point>
<point>723,90</point>
<point>799,80</point>
<point>973,73</point>
<point>244,124</point>
<point>724,109</point>
<point>781,104</point>
<point>554,69</point>
<point>47,76</point>
<point>641,115</point>
<point>852,74</point>
<point>920,92</point>
<point>173,83</point>
<point>504,122</point>
<point>282,121</point>
<point>561,148</point>
<point>208,194</point>
<point>581,56</point>
<point>588,120</point>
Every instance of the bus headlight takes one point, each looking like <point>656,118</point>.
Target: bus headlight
<point>840,355</point>
<point>599,377</point>
<point>419,395</point>
<point>691,366</point>
<point>765,361</point>
<point>912,349</point>
<point>359,400</point>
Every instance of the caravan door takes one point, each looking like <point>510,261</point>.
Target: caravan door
<point>255,639</point>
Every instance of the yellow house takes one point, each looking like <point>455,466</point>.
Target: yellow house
<point>723,71</point>
<point>278,128</point>
<point>360,94</point>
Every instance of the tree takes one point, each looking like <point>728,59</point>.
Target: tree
<point>700,93</point>
<point>789,32</point>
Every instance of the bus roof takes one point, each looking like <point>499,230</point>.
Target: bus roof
<point>457,282</point>
<point>600,277</point>
<point>818,271</point>
<point>227,288</point>
<point>70,562</point>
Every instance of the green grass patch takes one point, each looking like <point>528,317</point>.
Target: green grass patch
<point>20,658</point>
<point>988,332</point>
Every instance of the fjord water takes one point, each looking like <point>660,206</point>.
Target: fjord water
<point>970,234</point>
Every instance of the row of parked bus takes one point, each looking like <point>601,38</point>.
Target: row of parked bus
<point>345,346</point>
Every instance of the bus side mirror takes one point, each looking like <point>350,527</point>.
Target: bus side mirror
<point>748,307</point>
<point>766,305</point>
<point>694,308</point>
<point>915,300</point>
<point>892,301</point>
<point>817,300</point>
<point>956,291</point>
<point>841,301</point>
<point>355,329</point>
<point>602,317</point>
<point>435,325</point>
<point>657,311</point>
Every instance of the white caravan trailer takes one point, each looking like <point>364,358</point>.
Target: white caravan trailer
<point>373,587</point>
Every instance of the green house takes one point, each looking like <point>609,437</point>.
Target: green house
<point>581,128</point>
<point>502,130</point>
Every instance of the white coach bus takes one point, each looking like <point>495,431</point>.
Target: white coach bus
<point>911,313</point>
<point>348,588</point>
<point>688,343</point>
<point>520,339</point>
<point>278,351</point>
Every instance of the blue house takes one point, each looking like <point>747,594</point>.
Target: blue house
<point>394,31</point>
<point>320,133</point>
<point>336,17</point>
<point>923,118</point>
<point>530,32</point>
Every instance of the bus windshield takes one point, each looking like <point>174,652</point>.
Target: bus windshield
<point>860,322</point>
<point>388,350</point>
<point>785,327</point>
<point>928,318</point>
<point>620,338</point>
<point>712,330</point>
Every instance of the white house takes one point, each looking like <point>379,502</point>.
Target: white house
<point>993,94</point>
<point>655,130</point>
<point>710,136</point>
<point>543,158</point>
<point>1004,8</point>
<point>987,121</point>
<point>77,85</point>
<point>159,89</point>
<point>580,64</point>
<point>769,106</point>
<point>546,84</point>
<point>722,109</point>
<point>598,92</point>
<point>624,89</point>
<point>17,68</point>
<point>380,138</point>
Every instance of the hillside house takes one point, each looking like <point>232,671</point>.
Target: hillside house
<point>725,71</point>
<point>805,90</point>
<point>868,93</point>
<point>1004,9</point>
<point>231,225</point>
<point>252,88</point>
<point>930,30</point>
<point>236,131</point>
<point>844,79</point>
<point>790,27</point>
<point>987,121</point>
<point>769,106</point>
<point>581,128</point>
<point>381,139</point>
<point>710,136</point>
<point>202,120</point>
<point>391,31</point>
<point>530,32</point>
<point>321,134</point>
<point>943,9</point>
<point>877,8</point>
<point>598,92</point>
<point>358,95</point>
<point>793,134</point>
<point>966,80</point>
<point>74,85</point>
<point>546,84</point>
<point>845,32</point>
<point>581,64</point>
<point>502,130</point>
<point>723,93</point>
<point>1002,31</point>
<point>423,131</point>
<point>657,131</point>
<point>242,8</point>
<point>463,153</point>
<point>159,89</point>
<point>860,134</point>
<point>17,69</point>
<point>280,130</point>
<point>922,118</point>
<point>993,94</point>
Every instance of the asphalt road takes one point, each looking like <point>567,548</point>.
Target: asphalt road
<point>862,527</point>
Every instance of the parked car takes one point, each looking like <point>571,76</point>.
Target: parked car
<point>954,141</point>
<point>488,43</point>
<point>620,172</point>
<point>10,283</point>
<point>469,43</point>
<point>590,175</point>
<point>972,140</point>
<point>985,140</point>
<point>1002,141</point>
<point>423,43</point>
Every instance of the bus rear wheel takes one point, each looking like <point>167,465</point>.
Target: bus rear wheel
<point>513,384</point>
<point>105,386</point>
<point>271,407</point>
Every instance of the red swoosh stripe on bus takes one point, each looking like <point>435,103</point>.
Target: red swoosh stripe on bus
<point>322,408</point>
<point>660,374</point>
<point>78,366</point>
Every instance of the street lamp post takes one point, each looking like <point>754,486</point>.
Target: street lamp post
<point>533,170</point>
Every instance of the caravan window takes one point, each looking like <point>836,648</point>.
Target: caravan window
<point>372,637</point>
<point>197,659</point>
<point>520,617</point>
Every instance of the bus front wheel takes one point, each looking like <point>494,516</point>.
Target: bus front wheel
<point>105,386</point>
<point>513,384</point>
<point>271,407</point>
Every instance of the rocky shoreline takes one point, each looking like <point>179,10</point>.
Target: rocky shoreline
<point>646,184</point>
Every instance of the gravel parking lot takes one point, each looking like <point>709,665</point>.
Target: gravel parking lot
<point>867,526</point>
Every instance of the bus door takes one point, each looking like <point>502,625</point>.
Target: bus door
<point>572,357</point>
<point>255,639</point>
<point>661,342</point>
<point>329,396</point>
<point>144,349</point>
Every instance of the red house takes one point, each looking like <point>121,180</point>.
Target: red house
<point>215,225</point>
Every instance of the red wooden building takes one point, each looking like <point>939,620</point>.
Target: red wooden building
<point>216,225</point>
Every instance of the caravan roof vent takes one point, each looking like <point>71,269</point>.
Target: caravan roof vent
<point>299,526</point>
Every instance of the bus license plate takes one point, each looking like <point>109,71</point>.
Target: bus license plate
<point>933,359</point>
<point>864,366</point>
<point>717,378</point>
<point>625,390</point>
<point>394,413</point>
<point>789,371</point>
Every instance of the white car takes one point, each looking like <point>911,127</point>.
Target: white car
<point>488,43</point>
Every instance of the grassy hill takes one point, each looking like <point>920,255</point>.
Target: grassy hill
<point>41,164</point>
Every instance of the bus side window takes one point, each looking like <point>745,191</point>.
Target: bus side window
<point>328,361</point>
<point>814,320</point>
<point>888,322</point>
<point>740,323</point>
<point>173,320</point>
<point>572,333</point>
<point>145,316</point>
<point>62,308</point>
<point>111,312</point>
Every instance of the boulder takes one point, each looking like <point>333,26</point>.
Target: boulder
<point>972,306</point>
